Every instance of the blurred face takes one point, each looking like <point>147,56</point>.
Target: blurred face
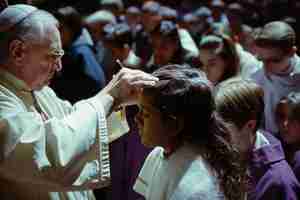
<point>96,30</point>
<point>275,61</point>
<point>133,19</point>
<point>150,20</point>
<point>213,65</point>
<point>164,49</point>
<point>153,131</point>
<point>289,128</point>
<point>281,116</point>
<point>40,60</point>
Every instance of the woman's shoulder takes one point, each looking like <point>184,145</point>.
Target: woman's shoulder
<point>190,187</point>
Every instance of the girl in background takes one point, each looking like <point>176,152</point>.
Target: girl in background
<point>219,57</point>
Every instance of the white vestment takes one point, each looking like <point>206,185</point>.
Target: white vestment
<point>49,148</point>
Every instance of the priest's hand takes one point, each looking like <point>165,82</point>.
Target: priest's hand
<point>126,85</point>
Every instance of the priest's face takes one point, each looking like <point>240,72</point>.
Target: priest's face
<point>41,58</point>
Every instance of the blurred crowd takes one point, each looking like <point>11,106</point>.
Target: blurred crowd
<point>223,38</point>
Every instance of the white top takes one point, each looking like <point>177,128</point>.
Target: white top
<point>248,62</point>
<point>182,176</point>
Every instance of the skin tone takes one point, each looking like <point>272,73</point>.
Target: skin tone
<point>213,65</point>
<point>150,20</point>
<point>37,61</point>
<point>275,61</point>
<point>154,129</point>
<point>164,49</point>
<point>289,128</point>
<point>96,30</point>
<point>244,138</point>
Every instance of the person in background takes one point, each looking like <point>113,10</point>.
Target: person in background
<point>280,74</point>
<point>95,24</point>
<point>168,13</point>
<point>150,19</point>
<point>190,160</point>
<point>118,39</point>
<point>288,119</point>
<point>49,148</point>
<point>127,153</point>
<point>166,44</point>
<point>218,15</point>
<point>113,6</point>
<point>133,18</point>
<point>240,103</point>
<point>190,22</point>
<point>219,58</point>
<point>82,75</point>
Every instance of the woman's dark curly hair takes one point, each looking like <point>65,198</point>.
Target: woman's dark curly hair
<point>187,92</point>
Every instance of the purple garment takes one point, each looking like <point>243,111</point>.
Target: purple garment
<point>271,177</point>
<point>296,164</point>
<point>127,157</point>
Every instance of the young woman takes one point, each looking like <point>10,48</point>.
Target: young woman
<point>240,103</point>
<point>219,57</point>
<point>192,158</point>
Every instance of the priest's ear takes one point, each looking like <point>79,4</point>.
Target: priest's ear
<point>17,51</point>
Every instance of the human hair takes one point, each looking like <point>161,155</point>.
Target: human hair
<point>167,30</point>
<point>32,27</point>
<point>186,92</point>
<point>224,47</point>
<point>277,34</point>
<point>70,17</point>
<point>293,102</point>
<point>101,16</point>
<point>239,100</point>
<point>118,35</point>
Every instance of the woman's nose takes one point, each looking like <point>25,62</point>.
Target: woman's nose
<point>138,118</point>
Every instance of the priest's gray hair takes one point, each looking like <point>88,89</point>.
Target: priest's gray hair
<point>25,23</point>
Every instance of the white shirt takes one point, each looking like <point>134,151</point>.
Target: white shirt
<point>182,176</point>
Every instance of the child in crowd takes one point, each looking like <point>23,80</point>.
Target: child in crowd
<point>219,58</point>
<point>288,118</point>
<point>192,158</point>
<point>240,103</point>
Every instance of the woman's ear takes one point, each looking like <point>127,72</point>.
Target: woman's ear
<point>251,124</point>
<point>292,51</point>
<point>175,125</point>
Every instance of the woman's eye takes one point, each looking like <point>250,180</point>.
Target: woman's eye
<point>145,114</point>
